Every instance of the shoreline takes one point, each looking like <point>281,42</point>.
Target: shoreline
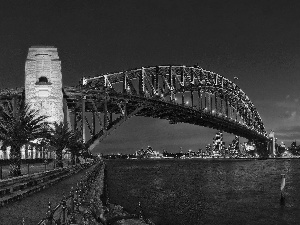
<point>207,159</point>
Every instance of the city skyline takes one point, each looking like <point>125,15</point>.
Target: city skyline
<point>249,41</point>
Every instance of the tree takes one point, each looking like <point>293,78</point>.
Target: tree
<point>60,139</point>
<point>18,126</point>
<point>76,147</point>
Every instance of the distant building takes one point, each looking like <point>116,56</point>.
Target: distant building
<point>233,148</point>
<point>218,145</point>
<point>208,151</point>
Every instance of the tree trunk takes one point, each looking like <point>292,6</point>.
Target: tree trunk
<point>73,157</point>
<point>15,161</point>
<point>26,151</point>
<point>59,162</point>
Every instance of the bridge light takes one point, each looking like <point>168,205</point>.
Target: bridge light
<point>175,99</point>
<point>84,81</point>
<point>161,95</point>
<point>187,102</point>
<point>213,111</point>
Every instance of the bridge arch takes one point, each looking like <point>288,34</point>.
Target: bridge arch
<point>179,94</point>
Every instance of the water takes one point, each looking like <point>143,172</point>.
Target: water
<point>207,191</point>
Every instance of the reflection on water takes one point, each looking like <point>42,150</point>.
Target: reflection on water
<point>207,191</point>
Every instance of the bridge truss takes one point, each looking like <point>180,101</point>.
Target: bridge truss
<point>179,94</point>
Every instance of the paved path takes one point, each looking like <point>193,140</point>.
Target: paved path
<point>34,207</point>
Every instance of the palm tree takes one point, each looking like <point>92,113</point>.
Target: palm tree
<point>60,139</point>
<point>76,147</point>
<point>20,126</point>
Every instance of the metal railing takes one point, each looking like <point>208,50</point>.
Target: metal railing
<point>73,209</point>
<point>28,168</point>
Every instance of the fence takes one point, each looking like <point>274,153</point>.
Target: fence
<point>27,167</point>
<point>88,204</point>
<point>77,207</point>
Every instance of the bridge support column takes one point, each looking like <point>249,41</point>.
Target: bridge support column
<point>94,123</point>
<point>236,113</point>
<point>105,122</point>
<point>205,101</point>
<point>199,100</point>
<point>75,121</point>
<point>83,119</point>
<point>211,103</point>
<point>227,108</point>
<point>14,105</point>
<point>110,117</point>
<point>124,84</point>
<point>222,107</point>
<point>216,103</point>
<point>157,80</point>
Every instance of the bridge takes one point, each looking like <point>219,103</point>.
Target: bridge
<point>180,94</point>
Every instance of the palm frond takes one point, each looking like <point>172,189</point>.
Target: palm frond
<point>21,125</point>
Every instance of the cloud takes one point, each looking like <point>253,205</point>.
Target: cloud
<point>283,116</point>
<point>287,104</point>
<point>290,133</point>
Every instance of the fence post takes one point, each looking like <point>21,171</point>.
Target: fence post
<point>76,200</point>
<point>140,211</point>
<point>49,214</point>
<point>64,211</point>
<point>1,172</point>
<point>72,200</point>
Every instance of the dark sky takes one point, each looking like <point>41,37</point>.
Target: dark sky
<point>257,41</point>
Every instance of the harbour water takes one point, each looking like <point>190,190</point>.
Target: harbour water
<point>194,191</point>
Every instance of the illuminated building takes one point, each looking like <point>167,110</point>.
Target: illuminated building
<point>43,82</point>
<point>234,147</point>
<point>218,145</point>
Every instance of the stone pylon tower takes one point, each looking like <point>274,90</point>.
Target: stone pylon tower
<point>272,148</point>
<point>43,82</point>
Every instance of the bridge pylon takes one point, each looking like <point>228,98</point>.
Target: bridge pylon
<point>43,82</point>
<point>272,144</point>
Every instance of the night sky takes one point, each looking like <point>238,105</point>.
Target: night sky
<point>256,41</point>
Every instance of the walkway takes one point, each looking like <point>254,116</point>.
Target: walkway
<point>34,207</point>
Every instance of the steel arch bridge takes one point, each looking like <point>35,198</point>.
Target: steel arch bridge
<point>179,94</point>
